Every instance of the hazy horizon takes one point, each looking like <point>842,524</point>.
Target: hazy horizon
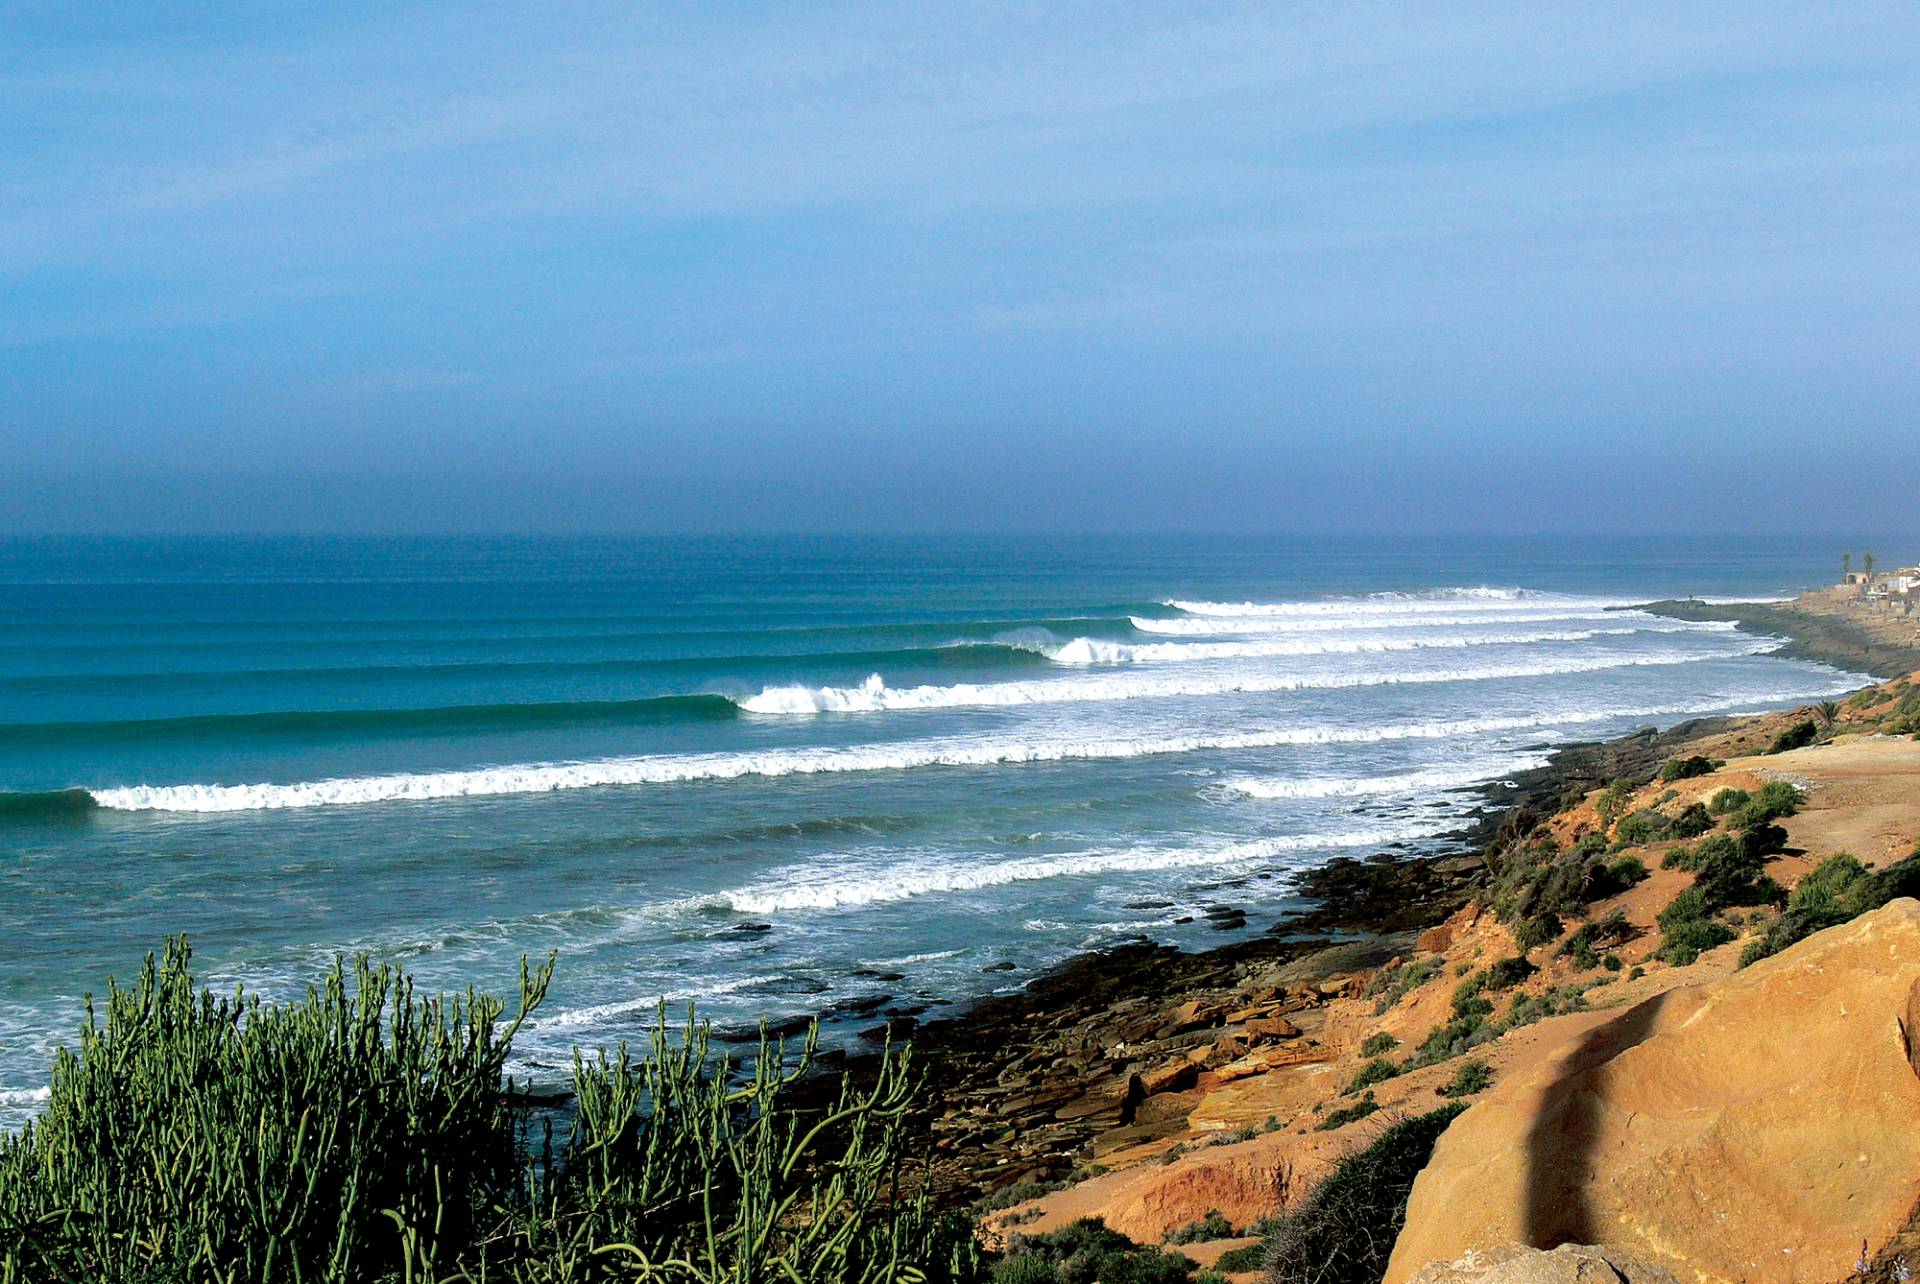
<point>1215,268</point>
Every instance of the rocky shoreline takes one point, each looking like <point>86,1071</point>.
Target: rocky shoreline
<point>1036,1088</point>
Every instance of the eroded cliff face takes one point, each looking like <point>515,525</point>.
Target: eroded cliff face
<point>1724,1123</point>
<point>1755,1128</point>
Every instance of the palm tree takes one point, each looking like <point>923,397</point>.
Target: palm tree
<point>1846,567</point>
<point>1866,564</point>
<point>1828,712</point>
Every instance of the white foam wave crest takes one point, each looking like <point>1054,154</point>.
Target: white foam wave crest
<point>25,1096</point>
<point>898,884</point>
<point>1100,651</point>
<point>540,778</point>
<point>875,696</point>
<point>1393,604</point>
<point>1241,625</point>
<point>1431,780</point>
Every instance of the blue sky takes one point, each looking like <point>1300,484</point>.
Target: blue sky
<point>1292,267</point>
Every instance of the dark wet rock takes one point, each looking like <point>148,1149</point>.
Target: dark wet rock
<point>1002,966</point>
<point>775,1028</point>
<point>861,1005</point>
<point>789,985</point>
<point>752,927</point>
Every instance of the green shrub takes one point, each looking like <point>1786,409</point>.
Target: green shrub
<point>367,1135</point>
<point>1798,736</point>
<point>1027,1268</point>
<point>1680,856</point>
<point>1613,801</point>
<point>1624,873</point>
<point>1528,1008</point>
<point>1686,768</point>
<point>1378,1070</point>
<point>1776,800</point>
<point>1350,1114</point>
<point>1839,889</point>
<point>1580,952</point>
<point>1344,1229</point>
<point>1378,1043</point>
<point>1693,821</point>
<point>1086,1252</point>
<point>1687,929</point>
<point>1459,1035</point>
<point>1640,828</point>
<point>1213,1226</point>
<point>1471,1077</point>
<point>1504,974</point>
<point>1538,930</point>
<point>1726,800</point>
<point>1729,873</point>
<point>1248,1257</point>
<point>1390,985</point>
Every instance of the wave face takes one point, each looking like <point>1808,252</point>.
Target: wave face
<point>773,777</point>
<point>875,696</point>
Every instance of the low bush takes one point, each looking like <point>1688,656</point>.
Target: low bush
<point>1612,879</point>
<point>1528,1008</point>
<point>1613,800</point>
<point>1378,1070</point>
<point>1726,800</point>
<point>1640,828</point>
<point>1730,873</point>
<point>1343,1231</point>
<point>1694,820</point>
<point>1839,889</point>
<point>1687,928</point>
<point>1350,1114</point>
<point>1213,1226</point>
<point>1248,1257</point>
<point>1538,930</point>
<point>1471,1077</point>
<point>1798,736</point>
<point>1087,1252</point>
<point>1686,768</point>
<point>1504,974</point>
<point>1390,985</point>
<point>1378,1043</point>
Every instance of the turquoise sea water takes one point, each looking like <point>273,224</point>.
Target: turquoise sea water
<point>779,776</point>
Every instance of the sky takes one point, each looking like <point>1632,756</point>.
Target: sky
<point>1290,267</point>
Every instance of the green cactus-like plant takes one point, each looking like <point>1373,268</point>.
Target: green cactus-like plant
<point>366,1134</point>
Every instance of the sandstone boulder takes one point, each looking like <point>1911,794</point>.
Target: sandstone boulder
<point>1756,1128</point>
<point>1567,1264</point>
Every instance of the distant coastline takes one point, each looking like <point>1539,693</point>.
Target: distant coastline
<point>1818,626</point>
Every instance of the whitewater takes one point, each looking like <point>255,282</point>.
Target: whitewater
<point>777,777</point>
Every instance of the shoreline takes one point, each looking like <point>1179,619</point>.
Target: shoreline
<point>1029,1096</point>
<point>1817,627</point>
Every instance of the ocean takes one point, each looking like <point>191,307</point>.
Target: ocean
<point>778,776</point>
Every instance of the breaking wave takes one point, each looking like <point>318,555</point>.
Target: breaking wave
<point>672,769</point>
<point>875,696</point>
<point>1436,780</point>
<point>898,884</point>
<point>1100,651</point>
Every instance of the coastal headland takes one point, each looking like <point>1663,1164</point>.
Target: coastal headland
<point>1199,1096</point>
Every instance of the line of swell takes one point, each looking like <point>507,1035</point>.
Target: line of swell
<point>1236,625</point>
<point>1101,651</point>
<point>532,778</point>
<point>875,696</point>
<point>959,654</point>
<point>1430,780</point>
<point>360,722</point>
